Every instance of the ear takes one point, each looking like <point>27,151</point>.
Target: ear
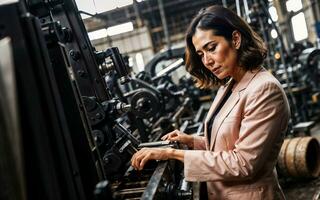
<point>236,39</point>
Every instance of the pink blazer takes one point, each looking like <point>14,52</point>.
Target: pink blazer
<point>246,137</point>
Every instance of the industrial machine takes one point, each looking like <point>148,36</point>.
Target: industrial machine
<point>82,114</point>
<point>73,116</point>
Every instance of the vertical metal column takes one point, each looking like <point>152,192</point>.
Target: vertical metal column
<point>137,13</point>
<point>246,10</point>
<point>224,3</point>
<point>238,7</point>
<point>164,23</point>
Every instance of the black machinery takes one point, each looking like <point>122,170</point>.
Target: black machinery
<point>78,133</point>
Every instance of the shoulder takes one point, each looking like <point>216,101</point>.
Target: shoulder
<point>264,80</point>
<point>265,88</point>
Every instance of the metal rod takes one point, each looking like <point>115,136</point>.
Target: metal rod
<point>154,182</point>
<point>164,24</point>
<point>137,13</point>
<point>238,7</point>
<point>224,3</point>
<point>246,10</point>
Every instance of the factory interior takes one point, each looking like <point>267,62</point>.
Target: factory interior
<point>85,84</point>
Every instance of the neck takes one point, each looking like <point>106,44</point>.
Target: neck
<point>238,74</point>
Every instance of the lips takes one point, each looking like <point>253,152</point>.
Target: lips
<point>215,70</point>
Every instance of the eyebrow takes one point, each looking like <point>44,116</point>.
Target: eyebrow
<point>206,45</point>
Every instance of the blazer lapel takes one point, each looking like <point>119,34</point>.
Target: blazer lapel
<point>230,103</point>
<point>217,100</point>
<point>225,110</point>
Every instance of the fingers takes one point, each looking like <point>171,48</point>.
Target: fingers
<point>139,159</point>
<point>164,137</point>
<point>144,161</point>
<point>135,160</point>
<point>174,138</point>
<point>170,135</point>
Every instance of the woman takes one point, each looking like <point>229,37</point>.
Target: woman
<point>246,123</point>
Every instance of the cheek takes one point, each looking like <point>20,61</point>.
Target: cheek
<point>220,57</point>
<point>231,57</point>
<point>224,55</point>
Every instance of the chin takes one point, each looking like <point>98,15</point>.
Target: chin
<point>221,76</point>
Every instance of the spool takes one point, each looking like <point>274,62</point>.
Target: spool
<point>299,157</point>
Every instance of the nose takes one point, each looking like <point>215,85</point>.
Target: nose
<point>207,60</point>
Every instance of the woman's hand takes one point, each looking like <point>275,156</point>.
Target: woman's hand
<point>140,158</point>
<point>179,136</point>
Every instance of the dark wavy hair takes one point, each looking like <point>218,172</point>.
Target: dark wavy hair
<point>222,22</point>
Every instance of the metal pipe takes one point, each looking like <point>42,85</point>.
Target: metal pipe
<point>224,3</point>
<point>137,13</point>
<point>263,29</point>
<point>238,7</point>
<point>164,23</point>
<point>246,10</point>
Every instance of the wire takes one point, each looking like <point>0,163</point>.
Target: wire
<point>94,4</point>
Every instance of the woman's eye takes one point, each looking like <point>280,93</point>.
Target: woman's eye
<point>211,49</point>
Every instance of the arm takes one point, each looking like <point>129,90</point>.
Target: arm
<point>265,117</point>
<point>199,142</point>
<point>192,141</point>
<point>140,158</point>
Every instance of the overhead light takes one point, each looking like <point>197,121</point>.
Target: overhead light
<point>121,28</point>
<point>140,62</point>
<point>2,2</point>
<point>273,13</point>
<point>274,34</point>
<point>98,34</point>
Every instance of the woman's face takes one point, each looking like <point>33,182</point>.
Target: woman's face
<point>216,53</point>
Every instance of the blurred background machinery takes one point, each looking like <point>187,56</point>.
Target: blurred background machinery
<point>85,85</point>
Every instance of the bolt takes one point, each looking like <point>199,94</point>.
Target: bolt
<point>75,173</point>
<point>81,73</point>
<point>98,116</point>
<point>106,160</point>
<point>75,55</point>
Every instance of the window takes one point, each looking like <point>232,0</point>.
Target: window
<point>140,62</point>
<point>99,6</point>
<point>299,27</point>
<point>120,28</point>
<point>101,33</point>
<point>294,5</point>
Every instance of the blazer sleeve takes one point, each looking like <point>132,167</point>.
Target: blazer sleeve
<point>265,118</point>
<point>199,143</point>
